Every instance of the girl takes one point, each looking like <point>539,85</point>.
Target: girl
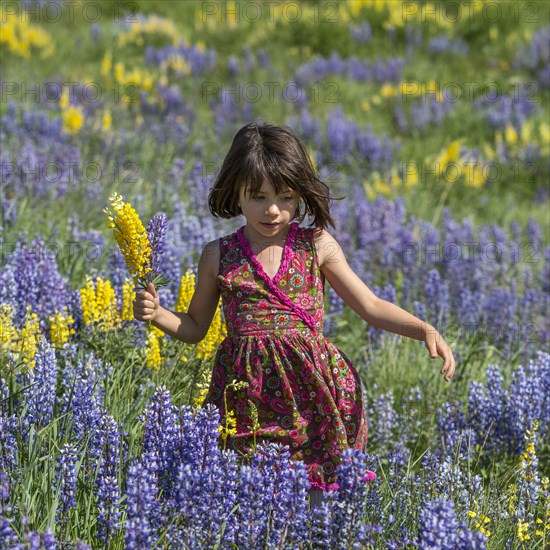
<point>271,276</point>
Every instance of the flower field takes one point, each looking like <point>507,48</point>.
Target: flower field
<point>430,118</point>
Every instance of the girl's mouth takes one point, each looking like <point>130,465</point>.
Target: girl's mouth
<point>270,225</point>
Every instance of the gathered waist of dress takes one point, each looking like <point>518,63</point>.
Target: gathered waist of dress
<point>275,333</point>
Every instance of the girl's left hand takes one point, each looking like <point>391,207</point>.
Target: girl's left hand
<point>437,346</point>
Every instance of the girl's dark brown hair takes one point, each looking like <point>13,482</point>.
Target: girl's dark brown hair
<point>266,152</point>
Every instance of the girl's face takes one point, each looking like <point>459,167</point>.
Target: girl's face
<point>266,214</point>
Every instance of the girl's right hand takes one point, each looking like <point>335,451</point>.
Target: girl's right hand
<point>146,304</point>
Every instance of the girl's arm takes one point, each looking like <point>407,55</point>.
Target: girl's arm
<point>379,313</point>
<point>191,327</point>
<point>359,297</point>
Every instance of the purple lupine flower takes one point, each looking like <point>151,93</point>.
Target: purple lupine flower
<point>361,33</point>
<point>445,44</point>
<point>32,273</point>
<point>506,109</point>
<point>278,493</point>
<point>85,398</point>
<point>536,56</point>
<point>439,528</point>
<point>307,127</point>
<point>66,477</point>
<point>451,423</point>
<point>108,495</point>
<point>437,295</point>
<point>106,444</point>
<point>8,430</point>
<point>386,418</point>
<point>454,480</point>
<point>32,124</point>
<point>207,478</point>
<point>349,499</point>
<point>161,437</point>
<point>42,382</point>
<point>141,503</point>
<point>156,232</point>
<point>522,408</point>
<point>413,39</point>
<point>401,485</point>
<point>232,66</point>
<point>528,486</point>
<point>7,534</point>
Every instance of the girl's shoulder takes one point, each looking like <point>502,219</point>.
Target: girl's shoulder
<point>317,235</point>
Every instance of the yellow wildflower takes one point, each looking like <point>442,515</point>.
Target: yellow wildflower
<point>131,237</point>
<point>127,313</point>
<point>387,90</point>
<point>106,63</point>
<point>73,119</point>
<point>522,531</point>
<point>8,332</point>
<point>203,386</point>
<point>59,328</point>
<point>107,120</point>
<point>30,333</point>
<point>20,36</point>
<point>230,427</point>
<point>186,290</point>
<point>207,347</point>
<point>99,305</point>
<point>451,154</point>
<point>152,351</point>
<point>510,135</point>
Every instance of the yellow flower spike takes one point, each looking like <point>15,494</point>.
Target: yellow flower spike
<point>127,313</point>
<point>30,334</point>
<point>73,119</point>
<point>99,307</point>
<point>132,239</point>
<point>60,329</point>
<point>152,351</point>
<point>471,514</point>
<point>9,336</point>
<point>186,290</point>
<point>510,135</point>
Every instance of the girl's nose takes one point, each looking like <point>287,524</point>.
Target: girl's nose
<point>273,209</point>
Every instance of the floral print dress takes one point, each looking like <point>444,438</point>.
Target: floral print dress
<point>307,393</point>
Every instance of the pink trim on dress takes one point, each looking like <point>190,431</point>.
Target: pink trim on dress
<point>273,283</point>
<point>370,476</point>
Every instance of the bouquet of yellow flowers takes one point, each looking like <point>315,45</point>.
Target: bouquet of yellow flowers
<point>140,247</point>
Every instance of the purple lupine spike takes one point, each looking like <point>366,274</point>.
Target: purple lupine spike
<point>156,232</point>
<point>108,495</point>
<point>106,444</point>
<point>387,419</point>
<point>141,503</point>
<point>204,497</point>
<point>33,274</point>
<point>277,491</point>
<point>86,394</point>
<point>8,443</point>
<point>160,436</point>
<point>445,44</point>
<point>437,294</point>
<point>440,528</point>
<point>361,33</point>
<point>42,382</point>
<point>350,499</point>
<point>66,477</point>
<point>7,534</point>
